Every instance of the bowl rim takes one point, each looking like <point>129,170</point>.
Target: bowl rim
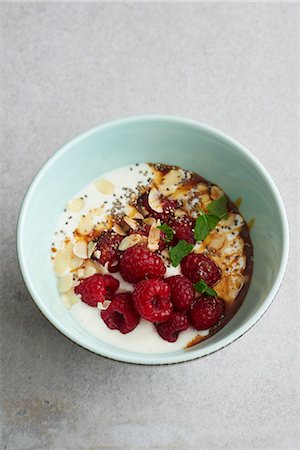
<point>163,358</point>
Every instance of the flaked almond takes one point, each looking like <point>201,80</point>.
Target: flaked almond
<point>157,177</point>
<point>167,191</point>
<point>215,241</point>
<point>75,262</point>
<point>119,230</point>
<point>97,211</point>
<point>149,220</point>
<point>129,241</point>
<point>103,306</point>
<point>131,222</point>
<point>181,193</point>
<point>60,263</point>
<point>70,298</point>
<point>65,283</point>
<point>179,213</point>
<point>133,213</point>
<point>102,269</point>
<point>237,265</point>
<point>80,249</point>
<point>229,221</point>
<point>174,176</point>
<point>154,237</point>
<point>75,205</point>
<point>97,254</point>
<point>99,268</point>
<point>229,287</point>
<point>86,225</point>
<point>89,271</point>
<point>205,200</point>
<point>202,188</point>
<point>105,186</point>
<point>80,273</point>
<point>90,248</point>
<point>216,192</point>
<point>62,259</point>
<point>144,211</point>
<point>154,200</point>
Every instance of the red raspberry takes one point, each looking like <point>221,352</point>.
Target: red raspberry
<point>168,207</point>
<point>196,266</point>
<point>108,246</point>
<point>96,288</point>
<point>183,229</point>
<point>111,284</point>
<point>182,292</point>
<point>170,329</point>
<point>121,315</point>
<point>151,299</point>
<point>139,263</point>
<point>206,312</point>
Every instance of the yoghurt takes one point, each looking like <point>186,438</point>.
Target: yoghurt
<point>110,202</point>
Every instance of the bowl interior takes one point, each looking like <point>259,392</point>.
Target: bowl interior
<point>157,139</point>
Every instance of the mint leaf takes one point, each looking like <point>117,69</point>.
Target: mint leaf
<point>212,221</point>
<point>218,208</point>
<point>169,233</point>
<point>204,224</point>
<point>180,250</point>
<point>202,287</point>
<point>201,228</point>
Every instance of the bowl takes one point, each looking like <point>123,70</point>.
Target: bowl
<point>171,140</point>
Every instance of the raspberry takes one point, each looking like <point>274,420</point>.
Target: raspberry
<point>182,292</point>
<point>121,315</point>
<point>139,263</point>
<point>170,329</point>
<point>96,288</point>
<point>196,266</point>
<point>111,284</point>
<point>206,312</point>
<point>183,229</point>
<point>168,207</point>
<point>151,299</point>
<point>108,246</point>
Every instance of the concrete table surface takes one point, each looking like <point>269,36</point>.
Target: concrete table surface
<point>67,67</point>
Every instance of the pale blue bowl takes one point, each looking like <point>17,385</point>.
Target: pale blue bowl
<point>171,140</point>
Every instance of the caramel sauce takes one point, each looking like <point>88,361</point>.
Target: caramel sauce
<point>195,341</point>
<point>238,202</point>
<point>251,223</point>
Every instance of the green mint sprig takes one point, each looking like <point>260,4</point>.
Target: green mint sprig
<point>180,250</point>
<point>218,208</point>
<point>205,223</point>
<point>168,232</point>
<point>202,287</point>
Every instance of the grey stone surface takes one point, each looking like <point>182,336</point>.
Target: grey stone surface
<point>67,67</point>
